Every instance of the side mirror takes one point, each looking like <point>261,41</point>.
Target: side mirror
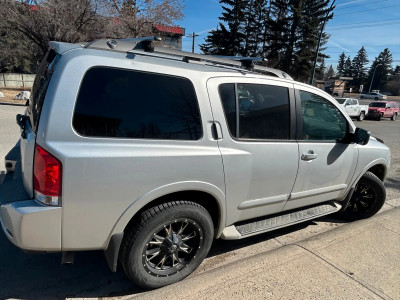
<point>361,136</point>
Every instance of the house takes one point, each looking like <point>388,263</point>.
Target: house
<point>171,35</point>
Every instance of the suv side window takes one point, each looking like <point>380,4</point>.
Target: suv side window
<point>256,111</point>
<point>354,102</point>
<point>321,119</point>
<point>131,104</point>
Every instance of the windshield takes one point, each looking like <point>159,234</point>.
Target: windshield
<point>377,104</point>
<point>40,85</point>
<point>340,100</point>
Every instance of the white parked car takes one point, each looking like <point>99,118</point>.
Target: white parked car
<point>375,96</point>
<point>353,108</point>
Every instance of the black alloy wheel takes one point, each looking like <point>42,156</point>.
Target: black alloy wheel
<point>172,247</point>
<point>368,198</point>
<point>166,243</point>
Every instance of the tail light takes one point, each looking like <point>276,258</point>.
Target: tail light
<point>47,176</point>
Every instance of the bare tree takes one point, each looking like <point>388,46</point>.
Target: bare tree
<point>133,18</point>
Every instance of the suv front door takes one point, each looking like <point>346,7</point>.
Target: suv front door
<point>327,162</point>
<point>258,146</point>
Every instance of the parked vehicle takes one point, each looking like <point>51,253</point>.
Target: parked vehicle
<point>375,96</point>
<point>151,153</point>
<point>353,108</point>
<point>384,109</point>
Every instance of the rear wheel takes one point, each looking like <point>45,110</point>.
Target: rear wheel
<point>362,97</point>
<point>361,116</point>
<point>376,98</point>
<point>393,118</point>
<point>166,244</point>
<point>368,198</point>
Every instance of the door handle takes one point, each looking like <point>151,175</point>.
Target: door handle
<point>310,155</point>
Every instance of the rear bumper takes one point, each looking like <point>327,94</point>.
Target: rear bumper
<point>26,223</point>
<point>32,226</point>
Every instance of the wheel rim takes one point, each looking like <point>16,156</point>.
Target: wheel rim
<point>172,247</point>
<point>363,199</point>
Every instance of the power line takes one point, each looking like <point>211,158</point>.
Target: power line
<point>360,11</point>
<point>366,26</point>
<point>367,22</point>
<point>357,5</point>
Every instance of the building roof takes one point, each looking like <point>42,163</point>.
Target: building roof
<point>169,29</point>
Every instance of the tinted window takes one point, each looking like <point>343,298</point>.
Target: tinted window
<point>354,102</point>
<point>321,119</point>
<point>40,86</point>
<point>341,100</point>
<point>262,110</point>
<point>228,98</point>
<point>377,104</point>
<point>131,104</point>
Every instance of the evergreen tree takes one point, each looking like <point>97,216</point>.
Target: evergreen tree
<point>348,71</point>
<point>255,16</point>
<point>229,40</point>
<point>320,70</point>
<point>382,66</point>
<point>277,30</point>
<point>312,15</point>
<point>330,73</point>
<point>340,67</point>
<point>395,75</point>
<point>358,66</point>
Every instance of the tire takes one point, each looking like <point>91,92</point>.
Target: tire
<point>393,118</point>
<point>379,117</point>
<point>368,198</point>
<point>166,244</point>
<point>376,98</point>
<point>361,116</point>
<point>362,97</point>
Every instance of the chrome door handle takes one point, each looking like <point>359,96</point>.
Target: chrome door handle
<point>310,155</point>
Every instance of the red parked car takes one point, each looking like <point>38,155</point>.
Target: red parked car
<point>383,109</point>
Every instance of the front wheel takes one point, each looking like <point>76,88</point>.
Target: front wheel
<point>361,116</point>
<point>379,117</point>
<point>368,198</point>
<point>166,244</point>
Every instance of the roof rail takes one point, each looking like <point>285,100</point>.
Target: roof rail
<point>145,44</point>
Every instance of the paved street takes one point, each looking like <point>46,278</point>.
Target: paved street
<point>317,259</point>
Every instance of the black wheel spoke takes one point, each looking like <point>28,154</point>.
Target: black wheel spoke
<point>172,247</point>
<point>189,236</point>
<point>184,225</point>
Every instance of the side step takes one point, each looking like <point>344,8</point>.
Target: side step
<point>285,219</point>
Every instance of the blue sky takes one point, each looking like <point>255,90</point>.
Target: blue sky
<point>374,24</point>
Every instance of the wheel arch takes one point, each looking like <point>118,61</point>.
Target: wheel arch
<point>205,194</point>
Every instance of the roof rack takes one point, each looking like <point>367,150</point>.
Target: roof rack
<point>144,45</point>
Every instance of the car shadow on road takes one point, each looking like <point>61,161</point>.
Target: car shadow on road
<point>41,276</point>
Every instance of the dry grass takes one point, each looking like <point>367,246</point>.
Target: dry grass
<point>9,95</point>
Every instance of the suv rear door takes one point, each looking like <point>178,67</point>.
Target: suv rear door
<point>258,146</point>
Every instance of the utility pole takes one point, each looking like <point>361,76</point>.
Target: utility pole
<point>372,80</point>
<point>319,42</point>
<point>192,36</point>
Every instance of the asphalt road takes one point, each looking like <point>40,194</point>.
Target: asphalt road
<point>40,276</point>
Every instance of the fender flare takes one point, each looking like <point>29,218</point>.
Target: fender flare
<point>116,235</point>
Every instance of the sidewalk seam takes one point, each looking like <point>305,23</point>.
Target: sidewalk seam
<point>359,281</point>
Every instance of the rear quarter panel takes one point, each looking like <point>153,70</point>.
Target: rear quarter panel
<point>106,180</point>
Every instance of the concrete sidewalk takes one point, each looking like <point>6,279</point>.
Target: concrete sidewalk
<point>331,265</point>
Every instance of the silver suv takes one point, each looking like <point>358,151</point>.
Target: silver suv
<point>149,154</point>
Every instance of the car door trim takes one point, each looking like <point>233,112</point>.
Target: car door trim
<point>309,193</point>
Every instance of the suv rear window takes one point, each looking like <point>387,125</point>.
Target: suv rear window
<point>131,104</point>
<point>39,89</point>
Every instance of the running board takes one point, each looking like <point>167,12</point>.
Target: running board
<point>235,232</point>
